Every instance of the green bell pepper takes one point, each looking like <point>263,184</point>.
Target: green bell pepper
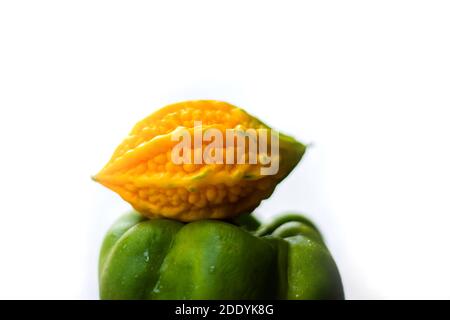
<point>209,259</point>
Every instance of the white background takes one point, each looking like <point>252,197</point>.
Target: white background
<point>368,82</point>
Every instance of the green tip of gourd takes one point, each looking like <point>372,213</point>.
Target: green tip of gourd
<point>291,152</point>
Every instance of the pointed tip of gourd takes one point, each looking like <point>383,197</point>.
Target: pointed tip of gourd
<point>97,178</point>
<point>295,146</point>
<point>301,148</point>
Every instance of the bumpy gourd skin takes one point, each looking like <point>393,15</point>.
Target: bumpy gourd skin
<point>209,259</point>
<point>141,170</point>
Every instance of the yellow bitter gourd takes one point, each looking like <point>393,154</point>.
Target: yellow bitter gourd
<point>143,173</point>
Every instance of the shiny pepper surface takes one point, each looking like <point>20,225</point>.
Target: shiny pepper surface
<point>210,259</point>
